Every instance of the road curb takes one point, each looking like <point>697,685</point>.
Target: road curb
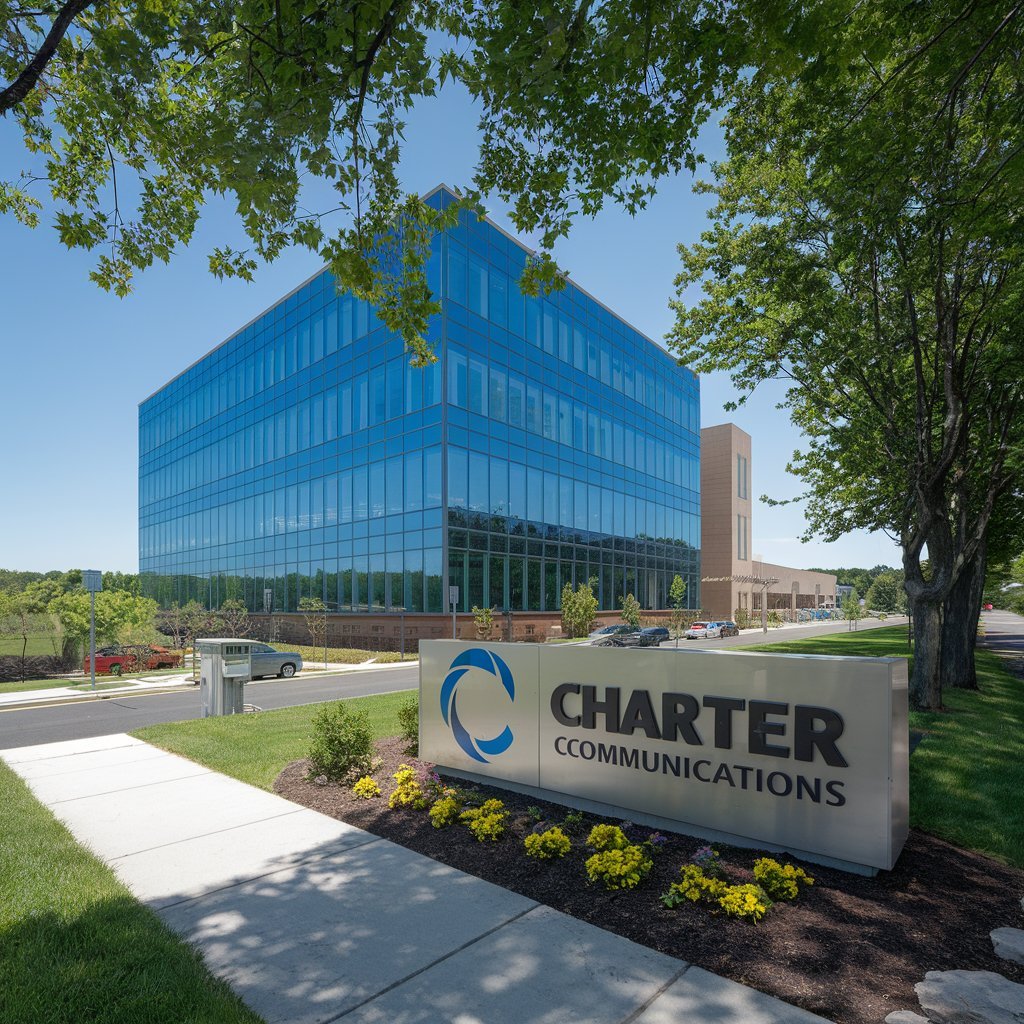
<point>89,698</point>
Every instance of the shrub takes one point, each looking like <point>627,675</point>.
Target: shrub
<point>780,881</point>
<point>486,822</point>
<point>573,821</point>
<point>745,901</point>
<point>445,812</point>
<point>342,746</point>
<point>607,837</point>
<point>619,868</point>
<point>409,724</point>
<point>736,900</point>
<point>547,845</point>
<point>707,860</point>
<point>408,792</point>
<point>366,788</point>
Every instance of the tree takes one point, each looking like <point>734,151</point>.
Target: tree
<point>177,101</point>
<point>676,596</point>
<point>19,623</point>
<point>235,618</point>
<point>851,608</point>
<point>196,621</point>
<point>314,614</point>
<point>886,593</point>
<point>631,611</point>
<point>579,608</point>
<point>865,248</point>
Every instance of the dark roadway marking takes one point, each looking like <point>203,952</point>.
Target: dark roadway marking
<point>85,719</point>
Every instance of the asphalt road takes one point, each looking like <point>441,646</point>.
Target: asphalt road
<point>84,719</point>
<point>1004,633</point>
<point>786,633</point>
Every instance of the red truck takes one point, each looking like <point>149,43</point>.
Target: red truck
<point>112,661</point>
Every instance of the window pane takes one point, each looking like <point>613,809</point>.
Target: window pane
<point>457,477</point>
<point>479,475</point>
<point>395,496</point>
<point>413,481</point>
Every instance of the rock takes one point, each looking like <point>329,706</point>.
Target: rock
<point>970,997</point>
<point>905,1017</point>
<point>1009,944</point>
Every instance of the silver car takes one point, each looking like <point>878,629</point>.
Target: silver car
<point>268,662</point>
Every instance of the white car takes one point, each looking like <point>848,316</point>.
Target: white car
<point>704,631</point>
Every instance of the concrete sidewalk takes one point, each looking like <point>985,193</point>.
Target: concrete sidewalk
<point>313,920</point>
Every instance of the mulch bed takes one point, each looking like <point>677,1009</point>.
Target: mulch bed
<point>849,948</point>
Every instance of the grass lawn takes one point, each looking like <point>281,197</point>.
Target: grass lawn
<point>74,943</point>
<point>254,748</point>
<point>967,777</point>
<point>343,655</point>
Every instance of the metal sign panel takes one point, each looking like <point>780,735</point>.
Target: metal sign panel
<point>92,580</point>
<point>804,752</point>
<point>478,708</point>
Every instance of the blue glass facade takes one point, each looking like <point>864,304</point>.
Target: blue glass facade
<point>549,443</point>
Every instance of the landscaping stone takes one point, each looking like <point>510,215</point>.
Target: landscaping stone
<point>970,997</point>
<point>1009,944</point>
<point>905,1017</point>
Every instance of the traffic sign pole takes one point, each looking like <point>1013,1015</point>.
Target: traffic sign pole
<point>92,580</point>
<point>92,637</point>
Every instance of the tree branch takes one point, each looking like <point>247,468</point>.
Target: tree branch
<point>25,82</point>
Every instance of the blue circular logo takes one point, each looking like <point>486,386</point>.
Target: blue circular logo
<point>493,666</point>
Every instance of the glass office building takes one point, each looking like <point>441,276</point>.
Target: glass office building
<point>304,456</point>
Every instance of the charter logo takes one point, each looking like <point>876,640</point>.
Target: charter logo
<point>473,662</point>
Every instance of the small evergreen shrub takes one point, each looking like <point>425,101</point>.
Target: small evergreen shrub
<point>736,900</point>
<point>607,837</point>
<point>573,821</point>
<point>619,868</point>
<point>780,881</point>
<point>486,822</point>
<point>409,724</point>
<point>342,747</point>
<point>408,792</point>
<point>366,788</point>
<point>445,812</point>
<point>548,845</point>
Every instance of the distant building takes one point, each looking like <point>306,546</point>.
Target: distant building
<point>726,530</point>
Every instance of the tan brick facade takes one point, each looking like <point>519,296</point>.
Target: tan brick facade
<point>727,537</point>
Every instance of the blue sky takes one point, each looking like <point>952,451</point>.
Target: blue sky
<point>76,361</point>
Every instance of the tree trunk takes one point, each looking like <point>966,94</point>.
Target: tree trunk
<point>926,677</point>
<point>960,627</point>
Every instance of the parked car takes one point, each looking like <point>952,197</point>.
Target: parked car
<point>613,636</point>
<point>112,661</point>
<point>268,662</point>
<point>729,629</point>
<point>703,631</point>
<point>651,636</point>
<point>606,631</point>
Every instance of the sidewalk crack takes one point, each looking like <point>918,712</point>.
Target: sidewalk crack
<point>434,963</point>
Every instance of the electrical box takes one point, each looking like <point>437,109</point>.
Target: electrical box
<point>225,668</point>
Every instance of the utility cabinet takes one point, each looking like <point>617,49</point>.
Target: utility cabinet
<point>225,666</point>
